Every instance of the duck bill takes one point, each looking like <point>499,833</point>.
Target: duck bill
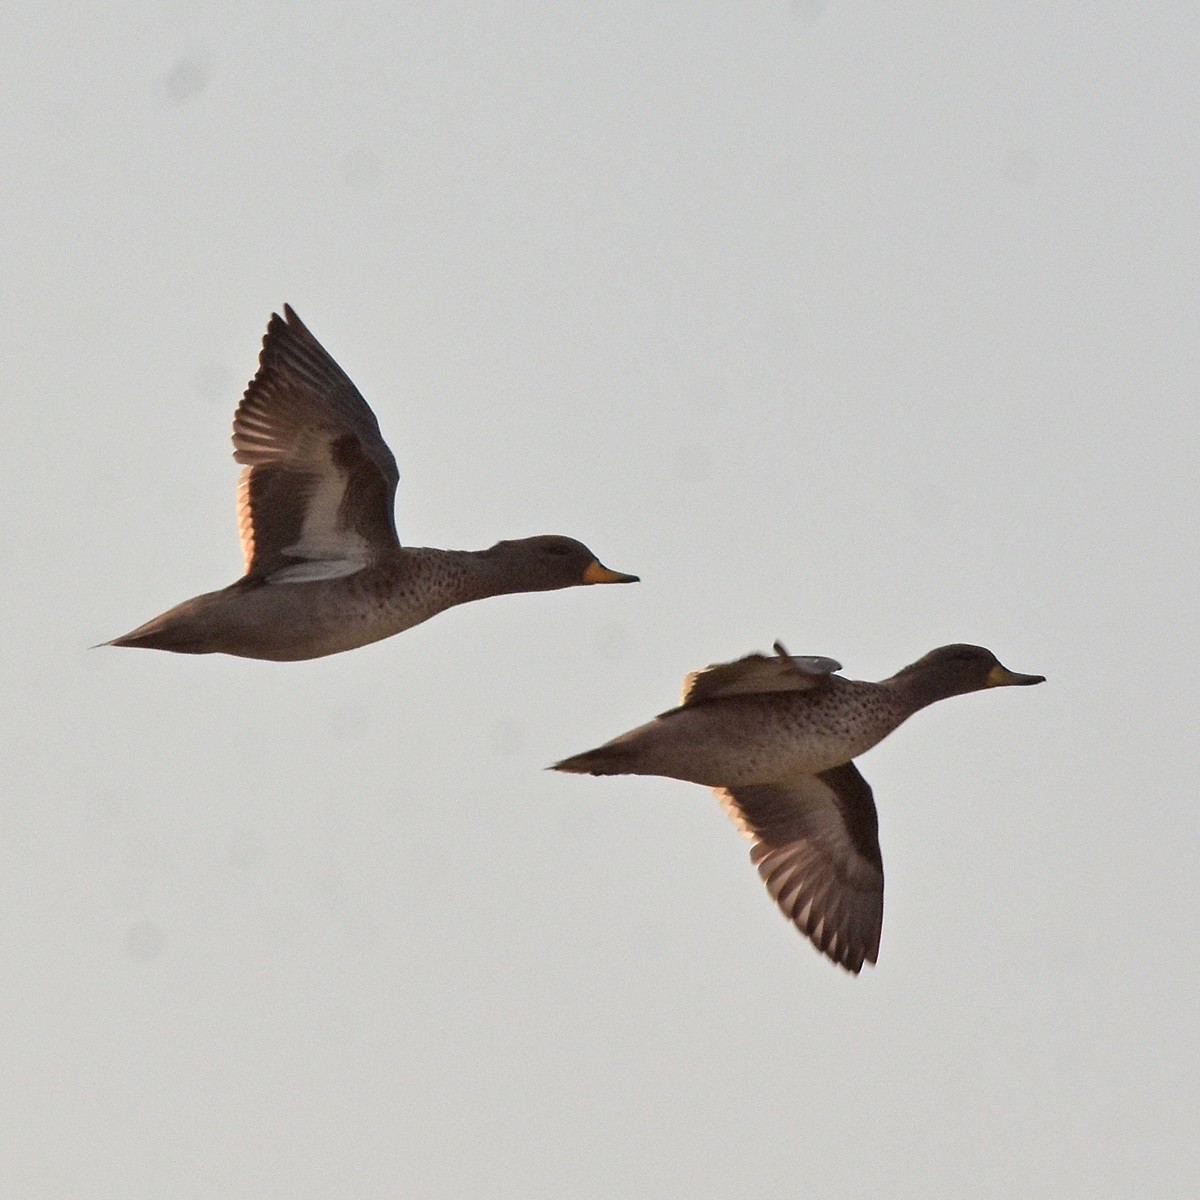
<point>1000,676</point>
<point>598,573</point>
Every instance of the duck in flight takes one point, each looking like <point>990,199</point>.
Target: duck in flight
<point>776,736</point>
<point>325,570</point>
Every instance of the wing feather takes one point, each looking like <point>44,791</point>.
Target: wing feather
<point>317,497</point>
<point>758,673</point>
<point>816,846</point>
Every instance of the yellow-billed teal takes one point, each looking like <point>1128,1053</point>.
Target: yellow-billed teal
<point>776,736</point>
<point>325,570</point>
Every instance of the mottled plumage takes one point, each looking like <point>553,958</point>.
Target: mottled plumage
<point>775,737</point>
<point>325,570</point>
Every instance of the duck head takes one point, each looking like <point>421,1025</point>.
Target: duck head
<point>954,671</point>
<point>548,561</point>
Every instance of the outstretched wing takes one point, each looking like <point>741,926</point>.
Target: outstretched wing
<point>758,673</point>
<point>317,497</point>
<point>816,846</point>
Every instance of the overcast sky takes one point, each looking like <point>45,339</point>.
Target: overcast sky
<point>866,327</point>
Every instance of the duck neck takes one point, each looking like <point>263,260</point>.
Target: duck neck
<point>470,574</point>
<point>919,689</point>
<point>493,574</point>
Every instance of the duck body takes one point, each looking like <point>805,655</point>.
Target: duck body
<point>287,619</point>
<point>296,620</point>
<point>751,739</point>
<point>776,738</point>
<point>325,570</point>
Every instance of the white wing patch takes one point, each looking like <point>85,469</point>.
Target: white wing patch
<point>322,538</point>
<point>315,569</point>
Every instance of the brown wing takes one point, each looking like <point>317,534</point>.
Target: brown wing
<point>816,846</point>
<point>316,499</point>
<point>758,673</point>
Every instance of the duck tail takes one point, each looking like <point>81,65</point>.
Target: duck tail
<point>162,633</point>
<point>610,759</point>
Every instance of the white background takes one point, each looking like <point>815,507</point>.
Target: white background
<point>867,327</point>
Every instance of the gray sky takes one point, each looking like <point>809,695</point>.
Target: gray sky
<point>865,328</point>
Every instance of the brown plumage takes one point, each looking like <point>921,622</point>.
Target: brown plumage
<point>325,571</point>
<point>775,737</point>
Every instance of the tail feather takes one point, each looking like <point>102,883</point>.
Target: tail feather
<point>610,759</point>
<point>162,633</point>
